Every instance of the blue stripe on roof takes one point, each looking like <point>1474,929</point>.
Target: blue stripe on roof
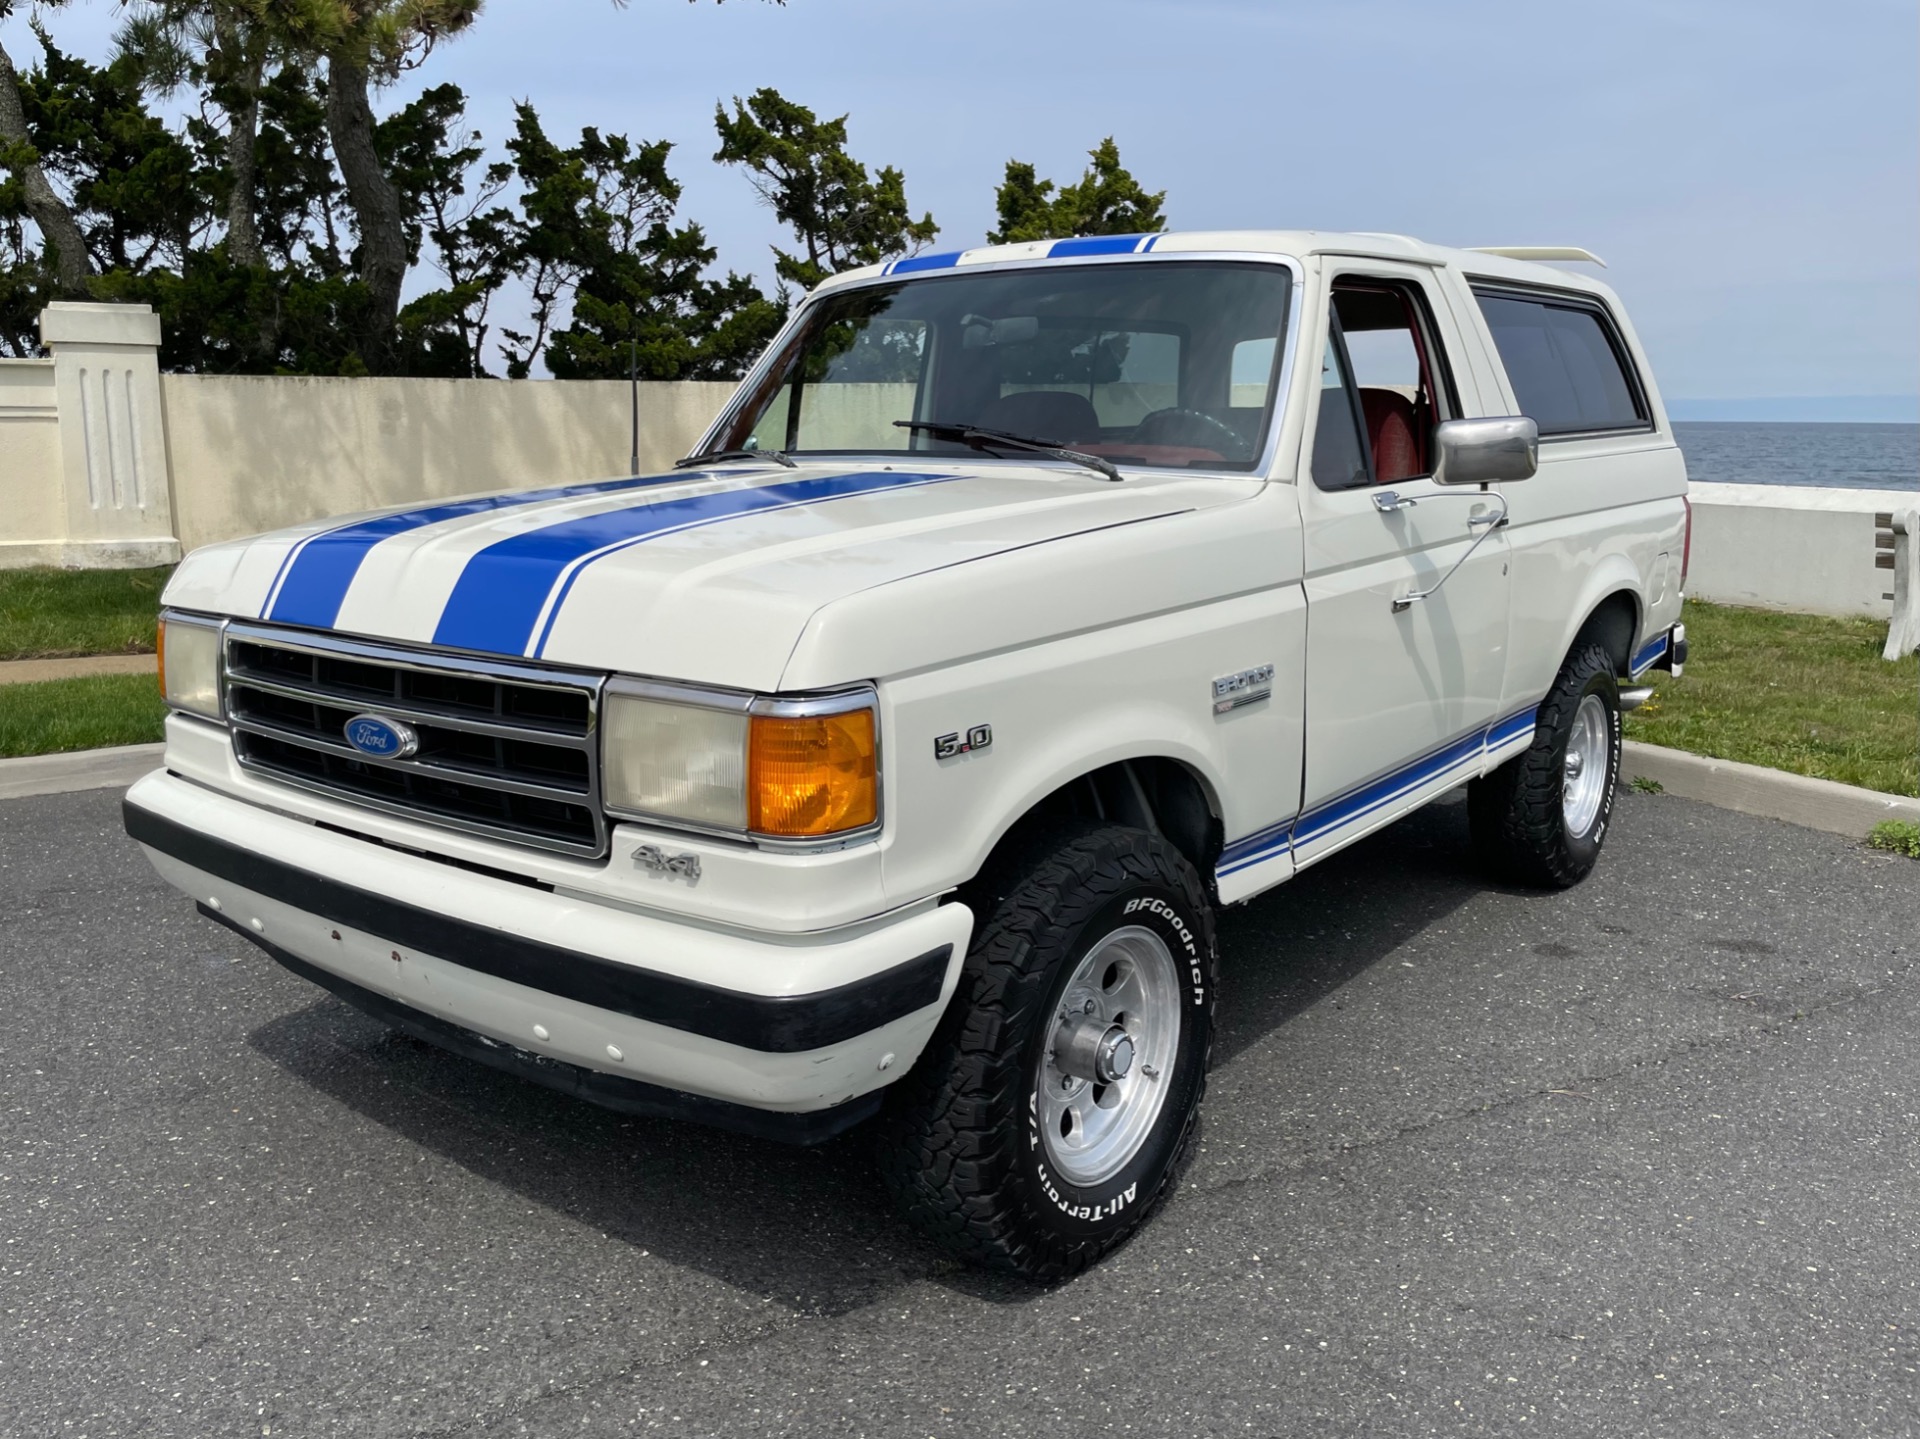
<point>500,594</point>
<point>945,260</point>
<point>314,578</point>
<point>1095,245</point>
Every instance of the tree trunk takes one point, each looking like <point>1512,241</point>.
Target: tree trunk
<point>44,205</point>
<point>243,129</point>
<point>376,204</point>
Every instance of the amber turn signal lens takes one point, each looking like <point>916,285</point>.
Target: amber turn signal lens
<point>810,776</point>
<point>160,653</point>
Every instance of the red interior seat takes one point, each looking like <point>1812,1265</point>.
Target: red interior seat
<point>1393,433</point>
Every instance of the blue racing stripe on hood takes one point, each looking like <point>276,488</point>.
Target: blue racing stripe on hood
<point>315,576</point>
<point>500,595</point>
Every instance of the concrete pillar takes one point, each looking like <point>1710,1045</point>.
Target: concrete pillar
<point>117,497</point>
<point>1903,634</point>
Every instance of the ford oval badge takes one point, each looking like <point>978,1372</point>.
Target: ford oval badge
<point>381,738</point>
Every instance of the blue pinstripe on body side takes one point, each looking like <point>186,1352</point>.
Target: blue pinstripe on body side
<point>502,594</point>
<point>313,579</point>
<point>1358,803</point>
<point>1649,652</point>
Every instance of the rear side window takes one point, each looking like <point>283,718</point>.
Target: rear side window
<point>1567,365</point>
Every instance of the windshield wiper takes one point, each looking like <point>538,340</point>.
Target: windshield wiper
<point>713,457</point>
<point>976,438</point>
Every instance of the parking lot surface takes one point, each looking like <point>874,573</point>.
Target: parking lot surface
<point>1641,1158</point>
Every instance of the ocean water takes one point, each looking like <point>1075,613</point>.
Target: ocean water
<point>1743,452</point>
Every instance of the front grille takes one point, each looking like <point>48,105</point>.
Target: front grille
<point>507,751</point>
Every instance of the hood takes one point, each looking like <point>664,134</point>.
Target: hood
<point>703,575</point>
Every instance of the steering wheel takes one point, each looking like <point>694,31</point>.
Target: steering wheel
<point>1195,429</point>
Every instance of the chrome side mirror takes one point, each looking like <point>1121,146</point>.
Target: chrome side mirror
<point>1480,452</point>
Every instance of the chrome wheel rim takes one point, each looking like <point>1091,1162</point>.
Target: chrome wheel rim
<point>1585,768</point>
<point>1123,1004</point>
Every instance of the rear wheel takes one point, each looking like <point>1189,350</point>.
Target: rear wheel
<point>1541,818</point>
<point>1053,1107</point>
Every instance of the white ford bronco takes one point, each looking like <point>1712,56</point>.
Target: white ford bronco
<point>890,757</point>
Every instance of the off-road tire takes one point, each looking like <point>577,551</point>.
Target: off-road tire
<point>1516,813</point>
<point>959,1146</point>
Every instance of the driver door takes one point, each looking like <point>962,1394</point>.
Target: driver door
<point>1398,699</point>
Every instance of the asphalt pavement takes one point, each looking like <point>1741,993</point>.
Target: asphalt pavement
<point>1638,1159</point>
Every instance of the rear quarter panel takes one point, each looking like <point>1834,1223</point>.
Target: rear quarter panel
<point>1605,514</point>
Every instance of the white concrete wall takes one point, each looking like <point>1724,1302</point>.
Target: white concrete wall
<point>105,463</point>
<point>253,453</point>
<point>1787,547</point>
<point>30,491</point>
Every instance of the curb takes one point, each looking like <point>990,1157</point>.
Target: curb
<point>1768,793</point>
<point>77,770</point>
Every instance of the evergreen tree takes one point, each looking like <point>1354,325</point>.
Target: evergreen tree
<point>800,167</point>
<point>1107,200</point>
<point>597,243</point>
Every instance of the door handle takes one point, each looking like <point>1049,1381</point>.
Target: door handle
<point>1475,521</point>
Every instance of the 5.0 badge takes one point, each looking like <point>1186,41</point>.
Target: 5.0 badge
<point>946,746</point>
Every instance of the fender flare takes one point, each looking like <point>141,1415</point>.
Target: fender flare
<point>1614,575</point>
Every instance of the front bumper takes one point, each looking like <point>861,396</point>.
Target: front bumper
<point>711,1018</point>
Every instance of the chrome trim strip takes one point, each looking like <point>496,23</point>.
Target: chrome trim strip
<point>205,622</point>
<point>427,661</point>
<point>453,775</point>
<point>444,719</point>
<point>785,706</point>
<point>587,686</point>
<point>501,834</point>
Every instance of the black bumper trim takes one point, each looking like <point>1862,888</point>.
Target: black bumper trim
<point>772,1024</point>
<point>611,1091</point>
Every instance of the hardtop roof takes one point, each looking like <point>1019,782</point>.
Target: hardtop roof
<point>1296,243</point>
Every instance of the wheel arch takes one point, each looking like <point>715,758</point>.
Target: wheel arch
<point>1162,794</point>
<point>1611,616</point>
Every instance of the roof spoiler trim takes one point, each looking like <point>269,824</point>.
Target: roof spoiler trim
<point>1540,252</point>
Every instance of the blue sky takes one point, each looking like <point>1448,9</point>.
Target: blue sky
<point>1747,169</point>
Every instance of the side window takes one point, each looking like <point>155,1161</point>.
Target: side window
<point>1567,366</point>
<point>1339,449</point>
<point>1402,384</point>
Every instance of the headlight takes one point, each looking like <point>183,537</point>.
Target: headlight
<point>778,768</point>
<point>190,663</point>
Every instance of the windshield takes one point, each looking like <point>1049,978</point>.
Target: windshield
<point>1172,364</point>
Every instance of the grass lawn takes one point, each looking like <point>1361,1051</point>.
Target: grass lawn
<point>79,714</point>
<point>1806,693</point>
<point>49,613</point>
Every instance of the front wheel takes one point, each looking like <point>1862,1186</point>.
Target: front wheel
<point>1541,817</point>
<point>1052,1109</point>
